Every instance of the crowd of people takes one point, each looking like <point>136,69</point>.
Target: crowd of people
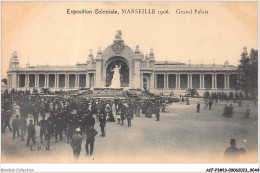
<point>74,117</point>
<point>60,116</point>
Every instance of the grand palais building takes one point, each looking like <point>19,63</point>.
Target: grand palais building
<point>137,72</point>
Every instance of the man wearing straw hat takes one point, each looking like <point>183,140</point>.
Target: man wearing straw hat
<point>75,143</point>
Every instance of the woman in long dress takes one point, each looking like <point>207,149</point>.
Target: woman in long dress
<point>17,109</point>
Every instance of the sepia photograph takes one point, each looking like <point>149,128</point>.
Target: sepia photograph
<point>129,82</point>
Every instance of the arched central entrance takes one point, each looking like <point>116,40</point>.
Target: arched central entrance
<point>124,71</point>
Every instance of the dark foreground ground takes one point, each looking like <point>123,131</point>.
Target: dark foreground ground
<point>181,136</point>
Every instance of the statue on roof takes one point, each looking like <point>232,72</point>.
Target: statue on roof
<point>119,34</point>
<point>118,44</point>
<point>146,57</point>
<point>14,54</point>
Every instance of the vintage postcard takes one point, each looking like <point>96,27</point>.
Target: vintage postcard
<point>129,82</point>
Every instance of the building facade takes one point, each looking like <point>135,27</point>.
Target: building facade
<point>136,71</point>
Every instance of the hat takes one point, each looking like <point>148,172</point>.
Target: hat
<point>232,141</point>
<point>77,130</point>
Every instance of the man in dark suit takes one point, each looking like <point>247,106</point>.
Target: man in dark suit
<point>123,114</point>
<point>102,124</point>
<point>58,129</point>
<point>35,116</point>
<point>128,115</point>
<point>198,107</point>
<point>15,125</point>
<point>8,115</point>
<point>90,139</point>
<point>3,114</point>
<point>43,127</point>
<point>49,131</point>
<point>157,111</point>
<point>31,133</point>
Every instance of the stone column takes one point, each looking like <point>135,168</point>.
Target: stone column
<point>45,80</point>
<point>87,80</point>
<point>78,80</point>
<point>191,81</point>
<point>98,73</point>
<point>176,81</point>
<point>227,81</point>
<point>94,80</point>
<point>152,81</point>
<point>188,81</point>
<point>76,76</point>
<point>66,80</point>
<point>155,81</point>
<point>36,80</point>
<point>137,66</point>
<point>58,78</point>
<point>137,74</point>
<point>48,79</point>
<point>200,81</point>
<point>165,82</point>
<point>55,81</point>
<point>8,81</point>
<point>27,80</point>
<point>216,82</point>
<point>141,80</point>
<point>212,80</point>
<point>203,81</point>
<point>18,80</point>
<point>38,83</point>
<point>179,81</point>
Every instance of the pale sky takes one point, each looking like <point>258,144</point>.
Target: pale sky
<point>42,33</point>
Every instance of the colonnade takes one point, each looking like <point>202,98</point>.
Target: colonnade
<point>186,80</point>
<point>53,80</point>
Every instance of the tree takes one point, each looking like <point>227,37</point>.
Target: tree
<point>4,80</point>
<point>247,69</point>
<point>254,71</point>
